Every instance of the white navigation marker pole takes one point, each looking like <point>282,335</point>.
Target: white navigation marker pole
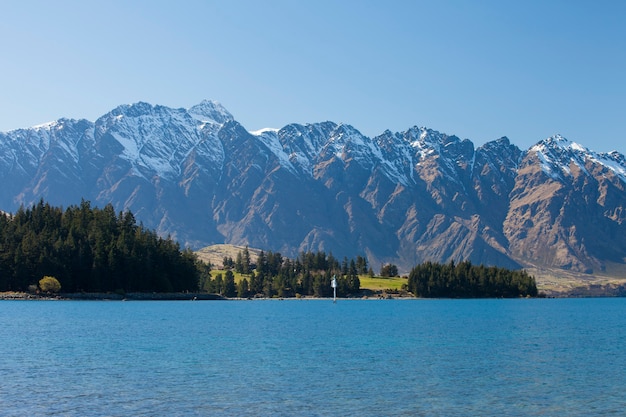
<point>333,284</point>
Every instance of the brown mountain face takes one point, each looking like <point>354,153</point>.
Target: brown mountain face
<point>568,216</point>
<point>420,195</point>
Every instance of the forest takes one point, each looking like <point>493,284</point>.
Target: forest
<point>464,280</point>
<point>310,274</point>
<point>90,250</point>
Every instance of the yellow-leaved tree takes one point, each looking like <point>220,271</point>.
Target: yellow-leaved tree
<point>49,284</point>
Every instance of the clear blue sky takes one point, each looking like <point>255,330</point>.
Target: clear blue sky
<point>478,69</point>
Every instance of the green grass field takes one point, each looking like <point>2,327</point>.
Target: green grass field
<point>381,283</point>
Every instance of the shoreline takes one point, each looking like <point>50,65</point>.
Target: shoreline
<point>140,296</point>
<point>594,291</point>
<point>187,296</point>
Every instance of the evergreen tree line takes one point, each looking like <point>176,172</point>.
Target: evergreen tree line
<point>92,250</point>
<point>310,274</point>
<point>465,280</point>
<point>96,250</point>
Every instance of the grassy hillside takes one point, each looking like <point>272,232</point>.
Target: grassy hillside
<point>215,253</point>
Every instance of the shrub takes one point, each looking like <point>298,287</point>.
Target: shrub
<point>49,284</point>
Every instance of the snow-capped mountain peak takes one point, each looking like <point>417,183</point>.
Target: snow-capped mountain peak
<point>47,125</point>
<point>209,111</point>
<point>557,153</point>
<point>157,139</point>
<point>559,142</point>
<point>425,141</point>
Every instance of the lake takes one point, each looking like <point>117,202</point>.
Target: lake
<point>521,357</point>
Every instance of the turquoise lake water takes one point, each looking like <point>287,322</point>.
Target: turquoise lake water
<point>523,357</point>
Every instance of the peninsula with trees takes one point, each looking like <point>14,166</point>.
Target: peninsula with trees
<point>88,250</point>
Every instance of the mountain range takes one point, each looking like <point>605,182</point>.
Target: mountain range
<point>199,176</point>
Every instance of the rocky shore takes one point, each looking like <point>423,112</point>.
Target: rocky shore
<point>109,296</point>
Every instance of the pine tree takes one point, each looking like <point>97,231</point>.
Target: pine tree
<point>229,284</point>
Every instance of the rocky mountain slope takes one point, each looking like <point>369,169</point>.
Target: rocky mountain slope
<point>402,197</point>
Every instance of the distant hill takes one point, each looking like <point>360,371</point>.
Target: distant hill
<point>215,253</point>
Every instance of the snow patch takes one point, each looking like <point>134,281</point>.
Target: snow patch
<point>546,163</point>
<point>48,126</point>
<point>264,130</point>
<point>131,151</point>
<point>611,162</point>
